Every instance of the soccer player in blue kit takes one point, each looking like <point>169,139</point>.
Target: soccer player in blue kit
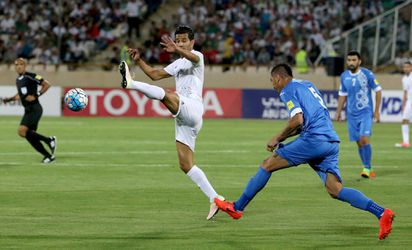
<point>317,145</point>
<point>355,86</point>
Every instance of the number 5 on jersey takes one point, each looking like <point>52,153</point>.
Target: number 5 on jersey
<point>317,96</point>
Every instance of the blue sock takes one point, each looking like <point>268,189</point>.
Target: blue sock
<point>255,184</point>
<point>362,154</point>
<point>367,155</point>
<point>359,200</point>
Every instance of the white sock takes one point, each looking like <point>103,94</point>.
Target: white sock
<point>151,91</point>
<point>405,133</point>
<point>199,177</point>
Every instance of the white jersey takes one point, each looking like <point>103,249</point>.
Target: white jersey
<point>407,85</point>
<point>189,76</point>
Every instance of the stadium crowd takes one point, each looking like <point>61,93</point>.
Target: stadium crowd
<point>237,32</point>
<point>51,32</point>
<point>253,32</point>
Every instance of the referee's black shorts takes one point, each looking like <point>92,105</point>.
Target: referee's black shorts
<point>32,115</point>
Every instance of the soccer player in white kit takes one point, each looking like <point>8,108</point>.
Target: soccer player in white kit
<point>406,104</point>
<point>185,104</point>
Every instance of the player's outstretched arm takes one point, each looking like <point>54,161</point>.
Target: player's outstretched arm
<point>170,46</point>
<point>10,99</point>
<point>154,74</point>
<point>293,128</point>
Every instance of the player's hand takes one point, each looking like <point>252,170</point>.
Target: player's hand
<point>168,44</point>
<point>6,100</point>
<point>377,117</point>
<point>30,98</point>
<point>272,144</point>
<point>338,117</point>
<point>134,54</point>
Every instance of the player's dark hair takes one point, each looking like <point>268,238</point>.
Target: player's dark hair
<point>407,62</point>
<point>282,69</point>
<point>354,53</point>
<point>183,29</point>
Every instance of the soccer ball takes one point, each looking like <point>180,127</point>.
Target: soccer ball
<point>76,99</point>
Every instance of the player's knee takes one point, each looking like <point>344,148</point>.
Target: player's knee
<point>265,164</point>
<point>22,132</point>
<point>333,195</point>
<point>333,190</point>
<point>185,167</point>
<point>363,141</point>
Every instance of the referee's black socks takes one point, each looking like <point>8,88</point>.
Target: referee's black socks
<point>38,136</point>
<point>34,139</point>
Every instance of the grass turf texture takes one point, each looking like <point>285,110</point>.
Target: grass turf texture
<point>116,184</point>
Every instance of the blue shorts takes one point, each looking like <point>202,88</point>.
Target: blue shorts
<point>322,156</point>
<point>359,126</point>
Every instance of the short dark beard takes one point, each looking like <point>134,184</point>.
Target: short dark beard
<point>353,70</point>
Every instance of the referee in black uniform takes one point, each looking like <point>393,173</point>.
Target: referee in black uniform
<point>27,84</point>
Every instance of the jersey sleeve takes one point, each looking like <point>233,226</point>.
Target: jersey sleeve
<point>373,83</point>
<point>292,104</point>
<point>37,78</point>
<point>406,83</point>
<point>342,89</point>
<point>201,59</point>
<point>173,68</point>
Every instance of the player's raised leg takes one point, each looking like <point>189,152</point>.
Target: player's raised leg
<point>357,199</point>
<point>151,91</point>
<point>168,98</point>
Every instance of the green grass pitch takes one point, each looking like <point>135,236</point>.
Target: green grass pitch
<point>116,184</point>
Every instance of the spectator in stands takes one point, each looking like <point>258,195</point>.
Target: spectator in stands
<point>314,51</point>
<point>134,10</point>
<point>288,22</point>
<point>3,50</point>
<point>43,28</point>
<point>7,25</point>
<point>279,24</point>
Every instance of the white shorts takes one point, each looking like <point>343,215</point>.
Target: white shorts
<point>407,112</point>
<point>188,121</point>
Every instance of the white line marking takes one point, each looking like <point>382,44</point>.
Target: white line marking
<point>150,165</point>
<point>143,152</point>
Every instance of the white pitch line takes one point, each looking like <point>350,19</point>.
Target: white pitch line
<point>66,122</point>
<point>137,141</point>
<point>150,165</point>
<point>343,148</point>
<point>126,152</point>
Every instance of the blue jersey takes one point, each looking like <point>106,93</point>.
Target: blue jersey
<point>303,97</point>
<point>357,87</point>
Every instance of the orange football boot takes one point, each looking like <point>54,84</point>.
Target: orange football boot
<point>385,223</point>
<point>228,208</point>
